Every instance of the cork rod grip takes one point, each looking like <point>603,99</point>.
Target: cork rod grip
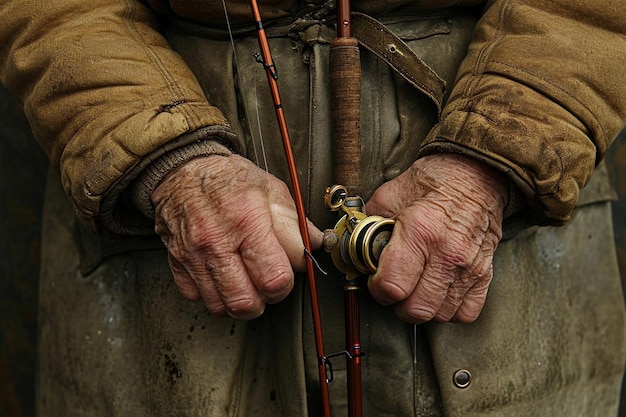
<point>345,88</point>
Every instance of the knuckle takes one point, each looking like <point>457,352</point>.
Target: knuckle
<point>244,308</point>
<point>485,270</point>
<point>478,275</point>
<point>277,283</point>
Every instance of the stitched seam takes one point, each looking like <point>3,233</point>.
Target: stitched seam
<point>485,53</point>
<point>176,93</point>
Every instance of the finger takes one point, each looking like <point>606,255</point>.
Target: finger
<point>228,275</point>
<point>186,286</point>
<point>315,235</point>
<point>451,302</point>
<point>429,294</point>
<point>268,266</point>
<point>211,257</point>
<point>474,301</point>
<point>461,280</point>
<point>471,286</point>
<point>468,287</point>
<point>287,232</point>
<point>210,296</point>
<point>389,198</point>
<point>400,267</point>
<point>286,228</point>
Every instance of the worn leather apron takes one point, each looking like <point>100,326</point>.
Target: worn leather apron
<point>117,338</point>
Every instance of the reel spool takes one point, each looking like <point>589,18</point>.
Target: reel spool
<point>357,240</point>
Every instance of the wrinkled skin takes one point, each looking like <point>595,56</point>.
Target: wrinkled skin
<point>232,235</point>
<point>438,263</point>
<point>233,240</point>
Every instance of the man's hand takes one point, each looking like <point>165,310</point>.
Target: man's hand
<point>438,263</point>
<point>232,234</point>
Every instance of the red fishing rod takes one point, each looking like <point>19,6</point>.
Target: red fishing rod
<point>272,77</point>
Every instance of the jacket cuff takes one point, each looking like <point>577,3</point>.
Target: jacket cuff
<point>126,209</point>
<point>521,195</point>
<point>140,190</point>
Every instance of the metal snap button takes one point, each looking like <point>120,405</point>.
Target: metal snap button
<point>462,378</point>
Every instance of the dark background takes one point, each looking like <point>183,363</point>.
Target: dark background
<point>23,169</point>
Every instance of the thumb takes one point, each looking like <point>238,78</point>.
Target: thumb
<point>286,228</point>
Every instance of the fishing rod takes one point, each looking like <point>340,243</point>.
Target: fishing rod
<point>272,77</point>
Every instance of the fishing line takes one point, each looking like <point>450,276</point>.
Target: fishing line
<point>244,100</point>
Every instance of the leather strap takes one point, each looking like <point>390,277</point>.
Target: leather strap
<point>378,39</point>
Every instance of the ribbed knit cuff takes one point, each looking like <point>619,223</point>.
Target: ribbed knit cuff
<point>140,190</point>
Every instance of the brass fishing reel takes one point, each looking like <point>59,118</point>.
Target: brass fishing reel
<point>357,240</point>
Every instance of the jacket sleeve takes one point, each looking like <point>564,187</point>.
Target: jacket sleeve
<point>540,96</point>
<point>105,96</point>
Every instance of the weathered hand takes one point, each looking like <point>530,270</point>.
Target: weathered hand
<point>232,234</point>
<point>438,263</point>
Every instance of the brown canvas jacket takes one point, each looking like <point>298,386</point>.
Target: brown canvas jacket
<point>540,94</point>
